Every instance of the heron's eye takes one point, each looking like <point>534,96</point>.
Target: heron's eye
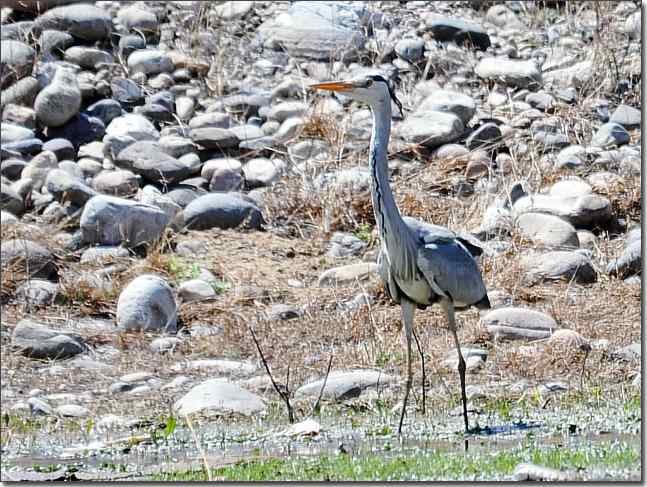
<point>369,83</point>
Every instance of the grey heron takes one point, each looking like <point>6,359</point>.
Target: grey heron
<point>420,264</point>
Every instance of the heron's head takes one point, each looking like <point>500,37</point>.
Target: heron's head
<point>371,89</point>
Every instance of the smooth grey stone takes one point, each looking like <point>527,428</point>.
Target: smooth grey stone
<point>19,115</point>
<point>183,195</point>
<point>10,200</point>
<point>178,147</point>
<point>410,50</point>
<point>72,411</point>
<point>155,112</point>
<point>431,129</point>
<point>518,323</point>
<point>214,138</point>
<point>551,141</point>
<point>23,91</point>
<point>17,31</point>
<point>219,396</point>
<point>152,196</point>
<point>87,57</point>
<point>211,119</point>
<point>80,129</point>
<point>39,407</point>
<point>222,211</point>
<point>150,61</point>
<point>502,16</point>
<point>116,183</point>
<point>630,352</point>
<point>54,40</point>
<point>260,172</point>
<point>108,220</point>
<point>195,290</point>
<point>541,100</point>
<point>10,132</point>
<point>610,134</point>
<point>38,292</point>
<point>316,30</point>
<point>126,92</point>
<point>129,44</point>
<point>40,342</point>
<point>103,254</point>
<point>346,384</point>
<point>571,157</point>
<point>149,160</point>
<point>165,344</point>
<point>147,303</point>
<point>345,245</point>
<point>461,105</point>
<point>138,19</point>
<point>24,147</point>
<point>629,262</point>
<point>548,230</point>
<point>133,125</point>
<point>12,168</point>
<point>520,74</point>
<point>16,61</point>
<point>287,109</point>
<point>347,275</point>
<point>573,266</point>
<point>105,110</point>
<point>484,136</point>
<point>530,472</point>
<point>62,148</point>
<point>27,256</point>
<point>458,30</point>
<point>64,187</point>
<point>589,209</point>
<point>628,117</point>
<point>83,21</point>
<point>60,100</point>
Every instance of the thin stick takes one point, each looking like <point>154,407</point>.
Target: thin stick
<point>323,386</point>
<point>424,375</point>
<point>284,396</point>
<point>197,443</point>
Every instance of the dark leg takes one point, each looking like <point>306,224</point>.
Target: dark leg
<point>408,310</point>
<point>449,307</point>
<point>424,375</point>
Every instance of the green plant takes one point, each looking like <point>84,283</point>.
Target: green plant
<point>363,232</point>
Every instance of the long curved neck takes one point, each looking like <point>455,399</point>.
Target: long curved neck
<point>393,230</point>
<point>387,215</point>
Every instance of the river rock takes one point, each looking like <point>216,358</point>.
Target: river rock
<point>10,132</point>
<point>628,117</point>
<point>345,245</point>
<point>431,128</point>
<point>518,323</point>
<point>261,172</point>
<point>37,292</point>
<point>316,30</point>
<point>521,74</point>
<point>221,210</point>
<point>547,230</point>
<point>60,100</point>
<point>195,290</point>
<point>64,187</point>
<point>138,19</point>
<point>609,135</point>
<point>16,61</point>
<point>463,106</point>
<point>87,57</point>
<point>104,254</point>
<point>628,262</point>
<point>147,158</point>
<point>484,136</point>
<point>27,256</point>
<point>150,61</point>
<point>108,220</point>
<point>347,275</point>
<point>83,21</point>
<point>219,396</point>
<point>458,30</point>
<point>133,125</point>
<point>116,183</point>
<point>40,342</point>
<point>214,138</point>
<point>224,174</point>
<point>346,384</point>
<point>147,303</point>
<point>584,210</point>
<point>558,265</point>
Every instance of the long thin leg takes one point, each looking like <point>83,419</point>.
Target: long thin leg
<point>449,308</point>
<point>408,310</point>
<point>424,375</point>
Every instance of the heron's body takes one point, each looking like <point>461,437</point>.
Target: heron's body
<point>421,264</point>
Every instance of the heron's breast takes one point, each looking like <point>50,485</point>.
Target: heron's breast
<point>417,290</point>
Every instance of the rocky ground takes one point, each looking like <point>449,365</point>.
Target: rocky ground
<point>169,184</point>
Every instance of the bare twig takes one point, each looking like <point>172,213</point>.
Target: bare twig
<point>283,395</point>
<point>199,446</point>
<point>323,386</point>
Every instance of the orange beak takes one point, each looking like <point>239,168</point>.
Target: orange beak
<point>339,86</point>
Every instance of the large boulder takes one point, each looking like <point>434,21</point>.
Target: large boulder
<point>558,265</point>
<point>518,324</point>
<point>431,128</point>
<point>147,303</point>
<point>149,160</point>
<point>108,220</point>
<point>587,209</point>
<point>547,230</point>
<point>26,256</point>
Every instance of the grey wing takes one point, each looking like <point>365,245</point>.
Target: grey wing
<point>428,232</point>
<point>451,270</point>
